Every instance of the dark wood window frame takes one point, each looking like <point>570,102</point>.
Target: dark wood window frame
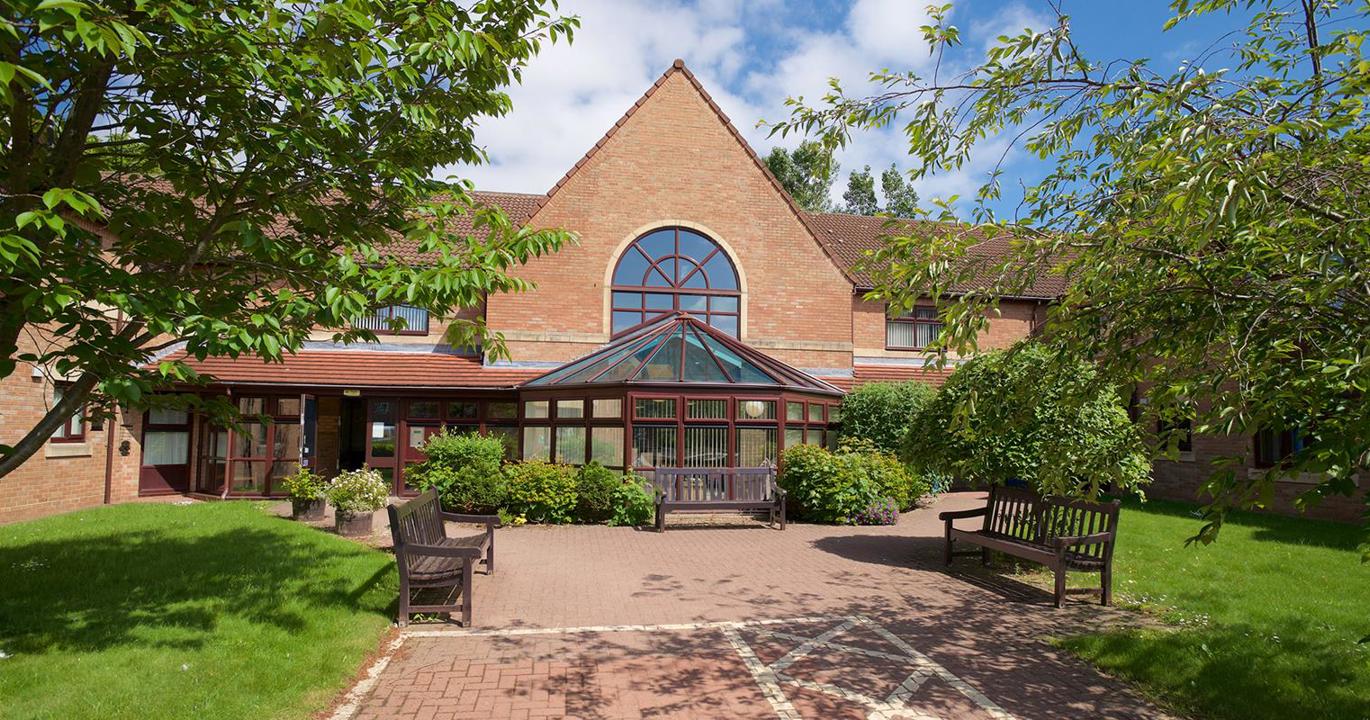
<point>924,316</point>
<point>620,292</point>
<point>73,429</point>
<point>1284,441</point>
<point>378,321</point>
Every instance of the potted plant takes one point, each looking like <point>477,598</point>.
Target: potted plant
<point>306,490</point>
<point>355,495</point>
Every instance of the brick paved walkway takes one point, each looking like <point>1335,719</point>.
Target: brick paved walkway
<point>744,622</point>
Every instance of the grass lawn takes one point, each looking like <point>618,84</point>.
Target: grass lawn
<point>211,610</point>
<point>1265,622</point>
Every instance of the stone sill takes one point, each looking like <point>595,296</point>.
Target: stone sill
<point>1300,479</point>
<point>67,450</point>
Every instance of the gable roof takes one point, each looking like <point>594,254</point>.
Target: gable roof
<point>679,67</point>
<point>849,239</point>
<point>358,368</point>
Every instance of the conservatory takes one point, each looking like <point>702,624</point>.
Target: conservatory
<point>674,392</point>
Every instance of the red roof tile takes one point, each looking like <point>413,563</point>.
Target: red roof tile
<point>863,374</point>
<point>361,368</point>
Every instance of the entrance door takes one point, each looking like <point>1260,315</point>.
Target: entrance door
<point>382,439</point>
<point>165,465</point>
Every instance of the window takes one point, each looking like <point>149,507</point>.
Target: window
<point>1182,432</point>
<point>913,331</point>
<point>1274,447</point>
<point>674,269</point>
<point>74,429</point>
<point>395,320</point>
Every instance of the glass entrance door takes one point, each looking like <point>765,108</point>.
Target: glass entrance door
<point>381,438</point>
<point>165,466</point>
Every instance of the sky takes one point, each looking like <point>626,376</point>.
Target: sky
<point>753,54</point>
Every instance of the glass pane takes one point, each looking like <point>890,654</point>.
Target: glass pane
<point>282,469</point>
<point>537,443</point>
<point>755,409</point>
<point>251,405</point>
<point>466,409</point>
<point>926,334</point>
<point>509,436</point>
<point>628,300</point>
<point>166,416</point>
<point>630,365</point>
<point>721,273</point>
<point>815,412</point>
<point>388,475</point>
<point>382,439</point>
<point>925,313</point>
<point>247,477</point>
<point>794,437</point>
<point>898,334</point>
<point>665,365</point>
<point>415,319</point>
<point>382,410</point>
<point>725,323</point>
<point>502,410</point>
<point>834,414</point>
<point>720,303</point>
<point>423,409</point>
<point>288,406</point>
<point>756,447</point>
<point>631,267</point>
<point>658,243</point>
<point>654,446</point>
<point>625,320</point>
<point>706,409</point>
<point>694,303</point>
<point>251,441</point>
<point>663,275</point>
<point>166,448</point>
<point>700,366</point>
<point>654,407</point>
<point>814,437</point>
<point>692,277</point>
<point>743,371</point>
<point>794,411</point>
<point>571,445</point>
<point>660,301</point>
<point>570,408</point>
<point>695,246</point>
<point>706,446</point>
<point>606,446</point>
<point>535,409</point>
<point>608,407</point>
<point>286,443</point>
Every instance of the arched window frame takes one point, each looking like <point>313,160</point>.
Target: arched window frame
<point>718,302</point>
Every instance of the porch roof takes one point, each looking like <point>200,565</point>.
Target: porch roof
<point>360,368</point>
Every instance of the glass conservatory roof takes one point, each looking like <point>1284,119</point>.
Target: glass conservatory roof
<point>679,348</point>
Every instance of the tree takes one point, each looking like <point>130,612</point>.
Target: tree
<point>233,174</point>
<point>1211,220</point>
<point>806,173</point>
<point>901,200</point>
<point>880,412</point>
<point>859,198</point>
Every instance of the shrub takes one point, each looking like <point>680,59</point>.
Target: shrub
<point>633,503</point>
<point>839,487</point>
<point>465,470</point>
<point>354,492</point>
<point>304,486</point>
<point>881,412</point>
<point>1023,414</point>
<point>893,479</point>
<point>884,512</point>
<point>541,491</point>
<point>595,486</point>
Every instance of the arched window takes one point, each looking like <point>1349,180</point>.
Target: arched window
<point>675,269</point>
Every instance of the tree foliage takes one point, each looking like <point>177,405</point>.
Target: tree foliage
<point>806,173</point>
<point>1075,438</point>
<point>1211,219</point>
<point>233,174</point>
<point>901,200</point>
<point>881,412</point>
<point>859,197</point>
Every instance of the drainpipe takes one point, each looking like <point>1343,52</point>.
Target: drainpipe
<point>111,435</point>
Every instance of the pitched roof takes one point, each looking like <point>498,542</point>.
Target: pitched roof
<point>849,239</point>
<point>360,368</point>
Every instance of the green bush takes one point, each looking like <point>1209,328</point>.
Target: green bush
<point>1023,414</point>
<point>882,412</point>
<point>358,491</point>
<point>595,486</point>
<point>465,470</point>
<point>633,503</point>
<point>892,478</point>
<point>844,487</point>
<point>304,486</point>
<point>540,491</point>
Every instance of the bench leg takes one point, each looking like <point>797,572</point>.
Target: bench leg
<point>782,514</point>
<point>947,551</point>
<point>660,518</point>
<point>1060,585</point>
<point>1106,586</point>
<point>402,617</point>
<point>490,556</point>
<point>984,556</point>
<point>466,577</point>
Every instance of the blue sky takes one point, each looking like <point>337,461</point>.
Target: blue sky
<point>752,55</point>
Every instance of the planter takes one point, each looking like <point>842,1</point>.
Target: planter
<point>310,510</point>
<point>353,524</point>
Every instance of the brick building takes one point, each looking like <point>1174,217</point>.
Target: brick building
<point>717,321</point>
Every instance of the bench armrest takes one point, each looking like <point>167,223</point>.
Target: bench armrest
<point>490,520</point>
<point>958,514</point>
<point>1070,541</point>
<point>441,551</point>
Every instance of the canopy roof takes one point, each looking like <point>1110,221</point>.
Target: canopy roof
<point>679,348</point>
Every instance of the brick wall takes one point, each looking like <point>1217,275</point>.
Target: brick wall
<point>674,162</point>
<point>1014,322</point>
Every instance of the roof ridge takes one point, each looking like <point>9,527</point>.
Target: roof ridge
<point>678,66</point>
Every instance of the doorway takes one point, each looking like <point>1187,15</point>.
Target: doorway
<point>352,434</point>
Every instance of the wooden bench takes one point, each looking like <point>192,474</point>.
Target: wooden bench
<point>717,489</point>
<point>428,558</point>
<point>1060,533</point>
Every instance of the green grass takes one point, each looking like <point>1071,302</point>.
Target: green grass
<point>211,610</point>
<point>1264,623</point>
